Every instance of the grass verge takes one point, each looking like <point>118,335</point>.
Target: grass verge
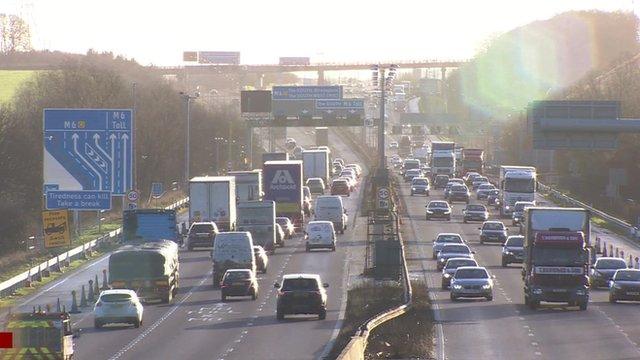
<point>409,336</point>
<point>363,302</point>
<point>10,81</point>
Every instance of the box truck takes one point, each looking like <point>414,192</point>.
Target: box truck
<point>283,184</point>
<point>213,198</point>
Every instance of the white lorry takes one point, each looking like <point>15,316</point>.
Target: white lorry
<point>248,185</point>
<point>213,198</point>
<point>259,218</point>
<point>517,183</point>
<point>316,164</point>
<point>443,158</point>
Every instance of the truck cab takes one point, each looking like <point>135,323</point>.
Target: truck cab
<point>40,335</point>
<point>259,218</point>
<point>517,183</point>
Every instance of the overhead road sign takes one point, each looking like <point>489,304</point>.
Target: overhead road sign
<point>333,92</point>
<point>56,228</point>
<point>428,119</point>
<point>340,104</point>
<point>294,60</point>
<point>255,101</point>
<point>219,57</point>
<point>78,200</point>
<point>88,150</point>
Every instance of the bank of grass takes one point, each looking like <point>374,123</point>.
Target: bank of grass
<point>409,336</point>
<point>10,81</point>
<point>365,301</point>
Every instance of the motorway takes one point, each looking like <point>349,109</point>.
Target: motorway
<point>198,325</point>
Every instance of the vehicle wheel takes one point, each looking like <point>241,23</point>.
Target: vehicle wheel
<point>453,297</point>
<point>342,232</point>
<point>583,305</point>
<point>464,221</point>
<point>254,295</point>
<point>97,324</point>
<point>333,247</point>
<point>434,256</point>
<point>279,315</point>
<point>412,193</point>
<point>481,241</point>
<point>223,298</point>
<point>307,249</point>
<point>427,218</point>
<point>323,314</point>
<point>449,218</point>
<point>189,247</point>
<point>264,270</point>
<point>489,298</point>
<point>168,298</point>
<point>504,263</point>
<point>526,300</point>
<point>136,323</point>
<point>443,285</point>
<point>612,299</point>
<point>427,193</point>
<point>533,304</point>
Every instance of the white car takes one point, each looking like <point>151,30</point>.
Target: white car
<point>117,306</point>
<point>356,168</point>
<point>320,235</point>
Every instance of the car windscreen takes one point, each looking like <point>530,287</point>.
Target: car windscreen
<point>458,188</point>
<point>486,187</point>
<point>201,228</point>
<point>450,239</point>
<point>610,264</point>
<point>442,178</point>
<point>481,179</point>
<point>281,221</point>
<point>318,228</point>
<point>300,284</point>
<point>314,182</point>
<point>457,249</point>
<point>471,274</point>
<point>517,241</point>
<point>454,264</point>
<point>476,208</point>
<point>628,275</point>
<point>493,226</point>
<point>420,182</point>
<point>520,207</point>
<point>236,275</point>
<point>115,297</point>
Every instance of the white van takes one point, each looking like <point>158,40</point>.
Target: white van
<point>232,250</point>
<point>330,208</point>
<point>320,235</point>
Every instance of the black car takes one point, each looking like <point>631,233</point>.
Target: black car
<point>603,269</point>
<point>625,285</point>
<point>301,294</point>
<point>201,234</point>
<point>438,209</point>
<point>440,181</point>
<point>493,197</point>
<point>493,231</point>
<point>459,193</point>
<point>512,250</point>
<point>239,282</point>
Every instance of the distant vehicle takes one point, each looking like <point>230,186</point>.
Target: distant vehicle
<point>339,161</point>
<point>239,282</point>
<point>420,185</point>
<point>249,186</point>
<point>306,201</point>
<point>262,260</point>
<point>479,180</point>
<point>470,176</point>
<point>320,235</point>
<point>438,209</point>
<point>349,173</point>
<point>450,268</point>
<point>493,231</point>
<point>440,181</point>
<point>301,294</point>
<point>287,226</point>
<point>484,190</point>
<point>459,193</point>
<point>202,234</point>
<point>283,184</point>
<point>475,212</point>
<point>393,145</point>
<point>450,251</point>
<point>259,218</point>
<point>404,145</point>
<point>408,164</point>
<point>603,269</point>
<point>331,208</point>
<point>316,185</point>
<point>297,152</point>
<point>471,281</point>
<point>280,236</point>
<point>352,183</point>
<point>518,211</point>
<point>625,285</point>
<point>493,198</point>
<point>513,250</point>
<point>517,183</point>
<point>213,198</point>
<point>275,156</point>
<point>117,306</point>
<point>443,158</point>
<point>472,161</point>
<point>340,187</point>
<point>337,168</point>
<point>356,168</point>
<point>232,250</point>
<point>316,164</point>
<point>409,175</point>
<point>442,239</point>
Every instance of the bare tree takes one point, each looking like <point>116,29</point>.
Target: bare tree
<point>15,34</point>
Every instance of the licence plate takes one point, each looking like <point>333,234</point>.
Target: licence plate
<point>559,290</point>
<point>301,295</point>
<point>237,284</point>
<point>633,293</point>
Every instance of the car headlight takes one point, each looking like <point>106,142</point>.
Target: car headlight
<point>447,275</point>
<point>447,211</point>
<point>429,212</point>
<point>414,189</point>
<point>457,287</point>
<point>486,286</point>
<point>507,252</point>
<point>616,286</point>
<point>537,291</point>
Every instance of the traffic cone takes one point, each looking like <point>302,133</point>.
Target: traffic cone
<point>58,309</point>
<point>83,298</point>
<point>92,296</point>
<point>105,282</point>
<point>96,289</point>
<point>74,303</point>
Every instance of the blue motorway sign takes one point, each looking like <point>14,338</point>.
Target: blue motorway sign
<point>340,104</point>
<point>306,92</point>
<point>157,189</point>
<point>88,149</point>
<point>78,200</point>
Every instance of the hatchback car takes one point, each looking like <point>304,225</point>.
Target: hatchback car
<point>484,190</point>
<point>471,281</point>
<point>493,231</point>
<point>468,178</point>
<point>356,168</point>
<point>262,260</point>
<point>513,250</point>
<point>393,145</point>
<point>320,235</point>
<point>479,181</point>
<point>442,239</point>
<point>280,236</point>
<point>459,192</point>
<point>409,175</point>
<point>438,209</point>
<point>625,285</point>
<point>287,226</point>
<point>440,181</point>
<point>452,251</point>
<point>339,161</point>
<point>420,185</point>
<point>475,212</point>
<point>340,187</point>
<point>603,269</point>
<point>518,211</point>
<point>306,200</point>
<point>117,306</point>
<point>316,185</point>
<point>239,282</point>
<point>450,268</point>
<point>493,197</point>
<point>201,234</point>
<point>301,294</point>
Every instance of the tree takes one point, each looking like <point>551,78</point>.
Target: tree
<point>15,34</point>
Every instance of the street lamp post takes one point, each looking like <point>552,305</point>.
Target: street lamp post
<point>384,80</point>
<point>187,98</point>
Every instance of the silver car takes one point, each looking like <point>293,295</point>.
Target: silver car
<point>603,269</point>
<point>449,251</point>
<point>475,212</point>
<point>451,266</point>
<point>442,239</point>
<point>471,281</point>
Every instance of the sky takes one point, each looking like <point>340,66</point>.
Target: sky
<point>157,32</point>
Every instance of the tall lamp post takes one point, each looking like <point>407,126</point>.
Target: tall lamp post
<point>187,98</point>
<point>382,78</point>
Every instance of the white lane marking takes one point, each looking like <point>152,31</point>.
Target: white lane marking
<point>160,320</point>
